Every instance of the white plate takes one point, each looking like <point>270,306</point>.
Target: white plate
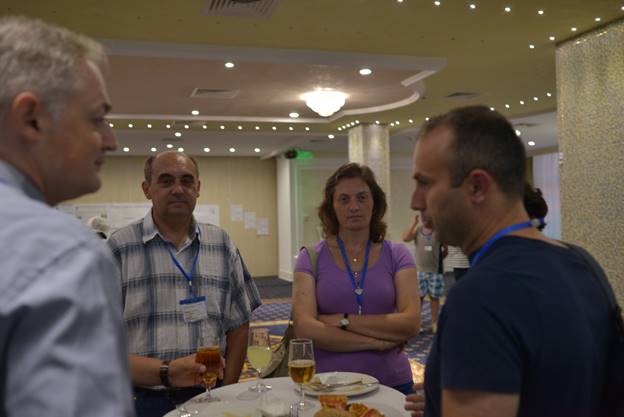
<point>386,410</point>
<point>340,377</point>
<point>219,409</point>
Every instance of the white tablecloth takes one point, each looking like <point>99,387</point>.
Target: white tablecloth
<point>284,389</point>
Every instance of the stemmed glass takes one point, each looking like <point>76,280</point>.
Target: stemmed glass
<point>301,366</point>
<point>259,354</point>
<point>209,355</point>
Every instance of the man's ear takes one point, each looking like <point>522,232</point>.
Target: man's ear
<point>28,116</point>
<point>479,184</point>
<point>145,187</point>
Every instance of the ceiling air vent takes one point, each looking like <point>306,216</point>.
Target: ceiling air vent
<point>244,8</point>
<point>462,96</point>
<point>214,93</point>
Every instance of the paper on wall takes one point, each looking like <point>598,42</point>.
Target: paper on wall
<point>250,220</point>
<point>236,212</point>
<point>263,226</point>
<point>207,213</point>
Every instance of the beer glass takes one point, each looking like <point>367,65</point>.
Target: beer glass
<point>209,355</point>
<point>301,366</point>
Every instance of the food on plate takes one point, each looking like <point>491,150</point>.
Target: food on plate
<point>336,406</point>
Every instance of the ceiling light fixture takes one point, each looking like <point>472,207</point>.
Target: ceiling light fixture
<point>274,128</point>
<point>522,102</point>
<point>111,125</point>
<point>153,149</point>
<point>597,19</point>
<point>177,134</point>
<point>411,121</point>
<point>229,65</point>
<point>257,128</point>
<point>149,126</point>
<point>130,125</point>
<point>204,127</point>
<point>548,95</point>
<point>186,126</point>
<point>293,115</point>
<point>532,46</point>
<point>392,124</point>
<point>540,12</point>
<point>531,143</point>
<point>535,99</point>
<point>376,122</point>
<point>206,150</point>
<point>290,128</point>
<point>437,3</point>
<point>180,149</point>
<point>492,109</point>
<point>194,112</point>
<point>366,71</point>
<point>168,126</point>
<point>397,123</point>
<point>340,128</point>
<point>507,106</point>
<point>573,29</point>
<point>552,38</point>
<point>324,101</point>
<point>257,150</point>
<point>473,6</point>
<point>169,146</point>
<point>507,9</point>
<point>331,136</point>
<point>232,150</point>
<point>126,149</point>
<point>239,127</point>
<point>518,133</point>
<point>222,127</point>
<point>426,119</point>
<point>307,129</point>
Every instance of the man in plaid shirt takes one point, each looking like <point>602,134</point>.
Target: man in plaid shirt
<point>181,280</point>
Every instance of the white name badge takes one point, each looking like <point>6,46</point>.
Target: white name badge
<point>194,309</point>
<point>428,248</point>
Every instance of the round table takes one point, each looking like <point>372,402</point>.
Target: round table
<point>284,390</point>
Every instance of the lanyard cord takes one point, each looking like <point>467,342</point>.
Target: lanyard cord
<point>357,289</point>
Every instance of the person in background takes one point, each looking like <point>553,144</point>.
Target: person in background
<point>181,279</point>
<point>526,331</point>
<point>429,254</point>
<point>62,340</point>
<point>362,304</point>
<point>457,262</point>
<point>534,204</point>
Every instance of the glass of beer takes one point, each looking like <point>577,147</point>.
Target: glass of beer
<point>209,355</point>
<point>301,366</point>
<point>259,354</point>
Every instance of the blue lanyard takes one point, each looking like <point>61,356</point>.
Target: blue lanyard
<point>357,289</point>
<point>503,232</point>
<point>187,275</point>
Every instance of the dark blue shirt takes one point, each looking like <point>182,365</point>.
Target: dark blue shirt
<point>529,319</point>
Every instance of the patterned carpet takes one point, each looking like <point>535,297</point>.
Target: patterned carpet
<point>274,314</point>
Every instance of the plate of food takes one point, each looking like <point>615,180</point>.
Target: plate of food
<point>218,409</point>
<point>338,406</point>
<point>341,383</point>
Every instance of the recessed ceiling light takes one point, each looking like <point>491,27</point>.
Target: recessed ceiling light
<point>169,146</point>
<point>473,6</point>
<point>426,119</point>
<point>194,112</point>
<point>153,149</point>
<point>229,65</point>
<point>392,124</point>
<point>492,109</point>
<point>357,122</point>
<point>239,127</point>
<point>548,94</point>
<point>126,149</point>
<point>400,1</point>
<point>111,125</point>
<point>206,150</point>
<point>274,128</point>
<point>180,149</point>
<point>222,127</point>
<point>168,126</point>
<point>186,126</point>
<point>573,29</point>
<point>205,127</point>
<point>130,125</point>
<point>331,136</point>
<point>397,123</point>
<point>366,71</point>
<point>535,98</point>
<point>257,127</point>
<point>290,128</point>
<point>307,128</point>
<point>149,126</point>
<point>507,106</point>
<point>177,134</point>
<point>340,128</point>
<point>597,19</point>
<point>551,38</point>
<point>522,102</point>
<point>518,133</point>
<point>507,9</point>
<point>411,121</point>
<point>532,46</point>
<point>540,12</point>
<point>232,150</point>
<point>376,122</point>
<point>531,143</point>
<point>257,150</point>
<point>294,115</point>
<point>622,8</point>
<point>437,3</point>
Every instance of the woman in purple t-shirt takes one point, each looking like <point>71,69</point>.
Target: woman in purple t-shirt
<point>363,303</point>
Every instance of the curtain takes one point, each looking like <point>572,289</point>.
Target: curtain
<point>546,178</point>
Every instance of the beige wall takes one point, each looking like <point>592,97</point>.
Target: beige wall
<point>224,181</point>
<point>590,86</point>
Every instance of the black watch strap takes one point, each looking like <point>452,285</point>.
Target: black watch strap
<point>345,321</point>
<point>164,374</point>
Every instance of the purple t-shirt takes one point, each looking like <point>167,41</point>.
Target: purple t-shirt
<point>334,294</point>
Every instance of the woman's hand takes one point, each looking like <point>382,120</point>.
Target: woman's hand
<point>415,403</point>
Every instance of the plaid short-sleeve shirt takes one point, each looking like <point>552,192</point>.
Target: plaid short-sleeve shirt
<point>152,287</point>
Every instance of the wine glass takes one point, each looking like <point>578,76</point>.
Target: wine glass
<point>209,355</point>
<point>301,366</point>
<point>259,354</point>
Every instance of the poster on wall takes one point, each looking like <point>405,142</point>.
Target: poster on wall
<point>207,213</point>
<point>122,214</point>
<point>263,226</point>
<point>250,220</point>
<point>86,211</point>
<point>236,212</point>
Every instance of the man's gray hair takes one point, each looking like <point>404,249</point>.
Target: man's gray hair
<point>43,59</point>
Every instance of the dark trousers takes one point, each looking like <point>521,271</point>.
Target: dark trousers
<point>157,403</point>
<point>459,272</point>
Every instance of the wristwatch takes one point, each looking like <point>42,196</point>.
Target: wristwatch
<point>164,374</point>
<point>344,321</point>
